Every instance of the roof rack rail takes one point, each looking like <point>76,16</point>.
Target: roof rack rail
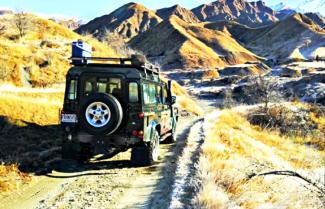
<point>85,59</point>
<point>135,60</point>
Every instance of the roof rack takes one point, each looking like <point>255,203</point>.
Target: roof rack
<point>135,60</point>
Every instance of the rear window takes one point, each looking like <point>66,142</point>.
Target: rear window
<point>103,85</point>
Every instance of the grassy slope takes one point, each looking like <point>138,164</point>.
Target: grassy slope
<point>234,149</point>
<point>27,57</point>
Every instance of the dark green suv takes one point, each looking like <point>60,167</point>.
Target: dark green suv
<point>117,103</point>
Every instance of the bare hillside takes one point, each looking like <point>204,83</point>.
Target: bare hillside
<point>181,44</point>
<point>296,37</point>
<point>248,13</point>
<point>179,11</point>
<point>128,21</point>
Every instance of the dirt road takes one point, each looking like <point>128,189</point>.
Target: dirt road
<point>114,183</point>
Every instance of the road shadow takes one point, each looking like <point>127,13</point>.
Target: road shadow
<point>32,147</point>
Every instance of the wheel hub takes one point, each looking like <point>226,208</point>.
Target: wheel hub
<point>98,114</point>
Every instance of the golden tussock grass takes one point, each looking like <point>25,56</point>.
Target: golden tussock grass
<point>39,106</point>
<point>11,178</point>
<point>234,149</point>
<point>41,56</point>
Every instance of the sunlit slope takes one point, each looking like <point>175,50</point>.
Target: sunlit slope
<point>296,37</point>
<point>40,58</point>
<point>235,151</point>
<point>180,44</point>
<point>128,21</point>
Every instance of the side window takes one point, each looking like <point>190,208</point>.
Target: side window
<point>152,92</point>
<point>72,93</point>
<point>149,94</point>
<point>145,89</point>
<point>133,92</point>
<point>158,95</point>
<point>165,95</point>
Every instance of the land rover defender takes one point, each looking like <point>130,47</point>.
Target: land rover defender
<point>116,103</point>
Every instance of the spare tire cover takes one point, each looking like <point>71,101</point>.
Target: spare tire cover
<point>100,114</point>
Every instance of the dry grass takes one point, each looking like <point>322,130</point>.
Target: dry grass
<point>41,56</point>
<point>234,149</point>
<point>11,178</point>
<point>39,106</point>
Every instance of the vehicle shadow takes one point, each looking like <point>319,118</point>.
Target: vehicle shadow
<point>32,147</point>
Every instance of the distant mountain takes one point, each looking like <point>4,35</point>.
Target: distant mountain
<point>296,37</point>
<point>5,11</point>
<point>69,23</point>
<point>181,12</point>
<point>315,6</point>
<point>248,13</point>
<point>318,19</point>
<point>190,46</point>
<point>279,7</point>
<point>128,21</point>
<point>282,14</point>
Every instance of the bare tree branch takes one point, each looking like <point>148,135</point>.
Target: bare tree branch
<point>21,23</point>
<point>293,174</point>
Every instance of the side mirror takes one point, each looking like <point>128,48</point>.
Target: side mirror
<point>173,100</point>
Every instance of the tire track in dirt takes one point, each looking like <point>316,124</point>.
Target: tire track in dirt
<point>186,185</point>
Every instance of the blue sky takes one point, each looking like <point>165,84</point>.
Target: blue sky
<point>88,10</point>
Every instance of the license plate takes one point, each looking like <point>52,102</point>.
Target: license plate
<point>69,118</point>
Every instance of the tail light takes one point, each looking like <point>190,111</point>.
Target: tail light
<point>141,115</point>
<point>135,133</point>
<point>140,134</point>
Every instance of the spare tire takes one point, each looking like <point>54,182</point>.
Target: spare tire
<point>100,114</point>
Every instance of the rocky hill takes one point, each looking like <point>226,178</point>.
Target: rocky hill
<point>316,18</point>
<point>127,21</point>
<point>248,13</point>
<point>185,45</point>
<point>179,11</point>
<point>296,37</point>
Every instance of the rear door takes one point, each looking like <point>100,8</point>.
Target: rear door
<point>103,83</point>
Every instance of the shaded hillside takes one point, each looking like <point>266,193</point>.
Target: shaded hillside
<point>128,21</point>
<point>40,57</point>
<point>248,13</point>
<point>179,11</point>
<point>190,46</point>
<point>319,20</point>
<point>296,37</point>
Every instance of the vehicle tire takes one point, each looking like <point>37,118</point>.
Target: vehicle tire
<point>171,139</point>
<point>67,151</point>
<point>146,155</point>
<point>100,114</point>
<point>81,152</point>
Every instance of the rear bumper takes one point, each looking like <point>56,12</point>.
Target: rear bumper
<point>115,140</point>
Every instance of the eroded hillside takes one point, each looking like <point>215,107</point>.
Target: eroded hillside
<point>181,44</point>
